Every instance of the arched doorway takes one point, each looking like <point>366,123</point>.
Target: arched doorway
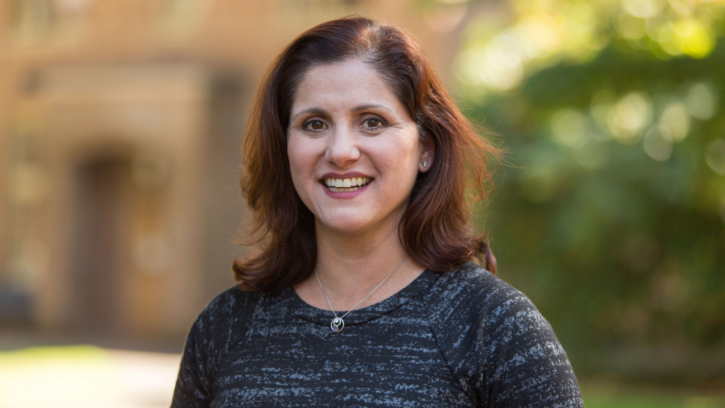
<point>101,216</point>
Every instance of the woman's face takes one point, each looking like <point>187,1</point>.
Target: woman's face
<point>354,150</point>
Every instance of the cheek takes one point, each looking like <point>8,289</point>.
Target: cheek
<point>403,153</point>
<point>302,158</point>
<point>296,154</point>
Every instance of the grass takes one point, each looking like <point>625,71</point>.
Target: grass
<point>619,396</point>
<point>86,377</point>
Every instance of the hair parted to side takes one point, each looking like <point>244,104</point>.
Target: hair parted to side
<point>435,230</point>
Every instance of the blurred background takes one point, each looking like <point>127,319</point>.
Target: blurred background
<point>120,128</point>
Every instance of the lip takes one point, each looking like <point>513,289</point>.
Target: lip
<point>346,195</point>
<point>343,176</point>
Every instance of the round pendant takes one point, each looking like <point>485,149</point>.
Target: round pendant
<point>337,324</point>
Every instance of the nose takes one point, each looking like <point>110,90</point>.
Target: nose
<point>342,147</point>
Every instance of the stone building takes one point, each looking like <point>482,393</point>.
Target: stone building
<point>120,127</point>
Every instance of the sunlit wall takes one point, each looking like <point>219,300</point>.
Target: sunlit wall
<point>120,128</point>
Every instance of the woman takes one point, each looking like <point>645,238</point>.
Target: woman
<point>364,293</point>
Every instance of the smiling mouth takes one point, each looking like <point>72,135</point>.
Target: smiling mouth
<point>346,185</point>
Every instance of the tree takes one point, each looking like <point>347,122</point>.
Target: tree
<point>611,214</point>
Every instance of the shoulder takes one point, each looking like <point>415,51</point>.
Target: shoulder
<point>218,328</point>
<point>499,347</point>
<point>472,288</point>
<point>480,308</point>
<point>222,324</point>
<point>230,302</point>
<point>228,314</point>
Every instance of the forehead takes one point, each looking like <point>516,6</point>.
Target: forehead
<point>341,85</point>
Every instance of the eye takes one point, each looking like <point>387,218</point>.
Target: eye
<point>314,125</point>
<point>373,123</point>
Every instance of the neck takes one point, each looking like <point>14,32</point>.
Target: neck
<point>350,266</point>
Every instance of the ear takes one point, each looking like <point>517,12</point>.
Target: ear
<point>428,155</point>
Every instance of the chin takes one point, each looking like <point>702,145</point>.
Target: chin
<point>349,228</point>
<point>345,225</point>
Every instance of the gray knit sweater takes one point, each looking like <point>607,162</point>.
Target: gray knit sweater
<point>460,339</point>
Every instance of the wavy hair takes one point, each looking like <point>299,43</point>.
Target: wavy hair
<point>435,229</point>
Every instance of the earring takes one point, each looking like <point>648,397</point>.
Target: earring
<point>425,164</point>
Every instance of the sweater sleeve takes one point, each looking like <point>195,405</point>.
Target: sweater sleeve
<point>525,364</point>
<point>193,385</point>
<point>499,348</point>
<point>218,328</point>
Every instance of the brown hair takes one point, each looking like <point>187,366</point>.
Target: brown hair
<point>435,229</point>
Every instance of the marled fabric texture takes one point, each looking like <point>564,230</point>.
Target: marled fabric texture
<point>460,339</point>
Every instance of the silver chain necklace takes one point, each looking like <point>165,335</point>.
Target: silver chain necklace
<point>337,324</point>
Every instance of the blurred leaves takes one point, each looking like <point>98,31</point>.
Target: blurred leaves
<point>612,217</point>
<point>504,46</point>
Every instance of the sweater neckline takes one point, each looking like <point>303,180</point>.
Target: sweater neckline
<point>305,311</point>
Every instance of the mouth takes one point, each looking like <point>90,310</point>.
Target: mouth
<point>347,184</point>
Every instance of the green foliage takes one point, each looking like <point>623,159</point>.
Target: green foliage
<point>611,216</point>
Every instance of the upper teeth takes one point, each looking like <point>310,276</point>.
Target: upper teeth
<point>348,182</point>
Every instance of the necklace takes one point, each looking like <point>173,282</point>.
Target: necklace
<point>337,324</point>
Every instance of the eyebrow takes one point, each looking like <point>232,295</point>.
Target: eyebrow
<point>318,111</point>
<point>369,106</point>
